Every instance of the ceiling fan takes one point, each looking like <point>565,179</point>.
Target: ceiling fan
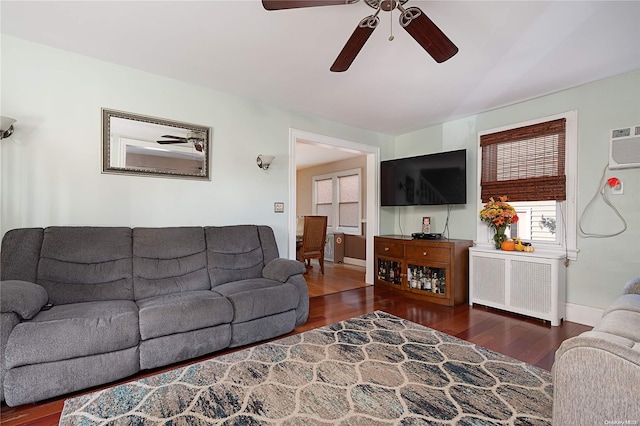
<point>196,138</point>
<point>412,19</point>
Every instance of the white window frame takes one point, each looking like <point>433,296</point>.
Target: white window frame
<point>526,210</point>
<point>336,200</point>
<point>566,212</point>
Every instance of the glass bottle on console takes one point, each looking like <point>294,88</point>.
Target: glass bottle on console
<point>427,280</point>
<point>443,284</point>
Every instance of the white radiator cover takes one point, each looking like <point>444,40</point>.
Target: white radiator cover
<point>532,284</point>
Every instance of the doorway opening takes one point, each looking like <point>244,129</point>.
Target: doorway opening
<point>370,176</point>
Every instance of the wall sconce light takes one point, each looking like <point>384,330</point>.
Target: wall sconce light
<point>264,161</point>
<point>6,127</point>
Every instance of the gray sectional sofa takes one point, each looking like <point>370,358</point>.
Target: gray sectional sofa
<point>84,306</point>
<point>596,375</point>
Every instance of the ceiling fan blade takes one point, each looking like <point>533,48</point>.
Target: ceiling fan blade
<point>355,43</point>
<point>295,4</point>
<point>173,137</point>
<point>427,34</point>
<point>168,142</point>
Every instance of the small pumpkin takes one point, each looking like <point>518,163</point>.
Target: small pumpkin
<point>528,249</point>
<point>519,244</point>
<point>508,245</point>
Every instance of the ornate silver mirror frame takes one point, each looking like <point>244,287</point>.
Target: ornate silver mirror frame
<point>135,144</point>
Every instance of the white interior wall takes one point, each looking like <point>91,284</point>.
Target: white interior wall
<point>50,167</point>
<point>604,265</point>
<point>51,170</point>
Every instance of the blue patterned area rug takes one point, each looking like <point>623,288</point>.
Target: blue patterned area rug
<point>376,369</point>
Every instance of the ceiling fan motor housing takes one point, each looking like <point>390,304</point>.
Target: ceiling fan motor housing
<point>386,5</point>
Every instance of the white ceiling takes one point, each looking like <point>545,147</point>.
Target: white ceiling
<point>311,153</point>
<point>509,52</point>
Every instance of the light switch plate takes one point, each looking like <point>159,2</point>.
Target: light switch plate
<point>278,207</point>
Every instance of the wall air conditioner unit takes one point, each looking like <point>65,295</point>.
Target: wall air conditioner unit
<point>624,148</point>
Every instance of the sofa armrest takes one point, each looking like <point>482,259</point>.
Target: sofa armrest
<point>282,269</point>
<point>23,298</point>
<point>632,287</point>
<point>594,380</point>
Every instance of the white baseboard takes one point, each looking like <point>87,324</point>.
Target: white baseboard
<point>353,261</point>
<point>583,314</point>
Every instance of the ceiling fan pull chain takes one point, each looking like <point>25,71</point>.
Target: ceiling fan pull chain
<point>391,21</point>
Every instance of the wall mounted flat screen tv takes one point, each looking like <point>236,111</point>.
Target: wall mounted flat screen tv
<point>433,179</point>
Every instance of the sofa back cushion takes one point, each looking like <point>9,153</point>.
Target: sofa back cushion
<point>238,252</point>
<point>85,264</point>
<point>169,260</point>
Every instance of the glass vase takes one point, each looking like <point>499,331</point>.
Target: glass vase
<point>500,237</point>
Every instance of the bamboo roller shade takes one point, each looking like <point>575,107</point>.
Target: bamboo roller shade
<point>525,163</point>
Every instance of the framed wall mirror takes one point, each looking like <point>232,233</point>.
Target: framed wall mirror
<point>139,145</point>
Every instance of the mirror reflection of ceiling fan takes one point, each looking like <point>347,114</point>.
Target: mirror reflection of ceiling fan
<point>412,19</point>
<point>196,138</point>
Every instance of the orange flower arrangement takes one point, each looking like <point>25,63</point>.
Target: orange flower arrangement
<point>499,215</point>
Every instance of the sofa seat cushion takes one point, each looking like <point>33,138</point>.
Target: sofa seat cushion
<point>259,297</point>
<point>605,339</point>
<point>73,331</point>
<point>182,312</point>
<point>621,323</point>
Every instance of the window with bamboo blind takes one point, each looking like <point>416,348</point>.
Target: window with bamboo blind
<point>525,163</point>
<point>534,164</point>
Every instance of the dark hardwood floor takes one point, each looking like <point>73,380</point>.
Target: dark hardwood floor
<point>341,293</point>
<point>337,277</point>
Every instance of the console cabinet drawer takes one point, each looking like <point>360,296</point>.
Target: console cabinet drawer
<point>433,254</point>
<point>389,249</point>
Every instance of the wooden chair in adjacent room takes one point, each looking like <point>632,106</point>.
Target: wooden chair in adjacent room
<point>313,240</point>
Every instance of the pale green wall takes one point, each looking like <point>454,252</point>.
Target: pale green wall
<point>51,170</point>
<point>603,265</point>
